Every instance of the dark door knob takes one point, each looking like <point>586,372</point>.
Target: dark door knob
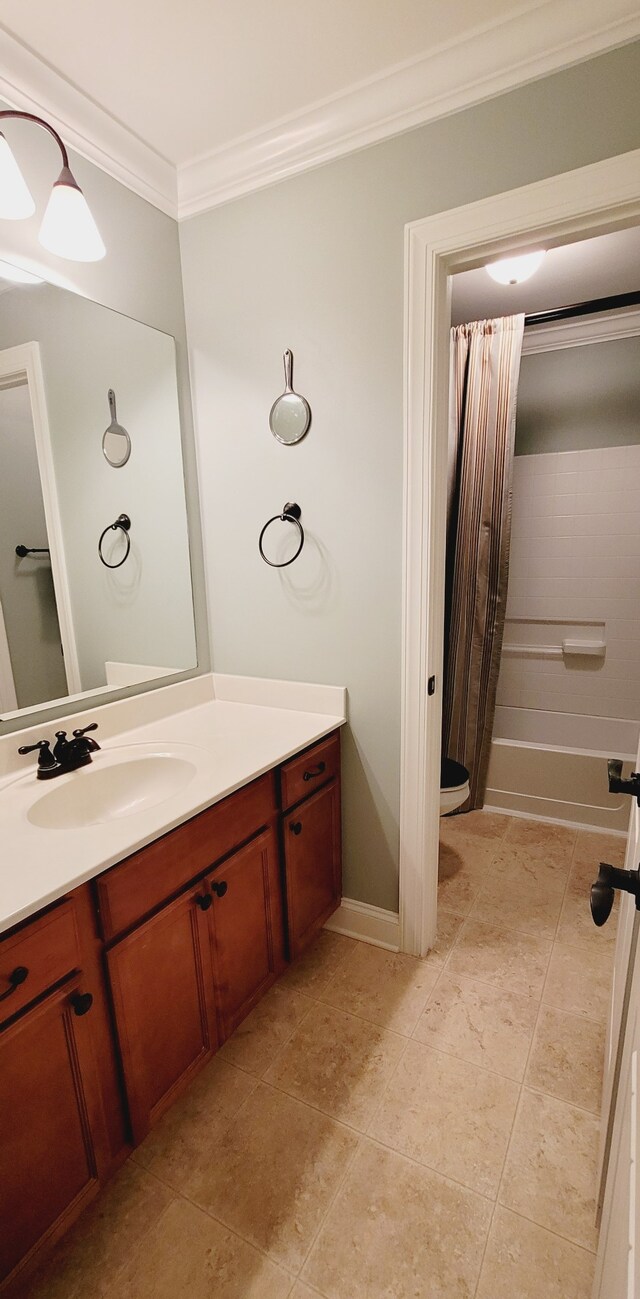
<point>603,890</point>
<point>219,887</point>
<point>81,1002</point>
<point>619,786</point>
<point>203,901</point>
<point>296,827</point>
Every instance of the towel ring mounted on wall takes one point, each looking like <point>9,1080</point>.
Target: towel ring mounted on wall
<point>290,514</point>
<point>124,523</point>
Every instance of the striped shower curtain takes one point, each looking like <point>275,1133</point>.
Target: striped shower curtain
<point>485,363</point>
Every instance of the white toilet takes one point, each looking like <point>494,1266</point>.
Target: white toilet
<point>454,785</point>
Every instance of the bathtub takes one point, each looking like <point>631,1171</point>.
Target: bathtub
<point>554,765</point>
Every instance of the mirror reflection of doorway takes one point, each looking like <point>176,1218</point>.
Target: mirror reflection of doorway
<point>31,660</point>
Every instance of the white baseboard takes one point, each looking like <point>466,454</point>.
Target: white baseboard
<point>370,924</point>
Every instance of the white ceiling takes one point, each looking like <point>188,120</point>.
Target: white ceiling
<point>190,77</point>
<point>593,268</point>
<point>230,96</point>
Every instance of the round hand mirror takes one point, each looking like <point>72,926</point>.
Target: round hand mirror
<point>290,415</point>
<point>116,443</point>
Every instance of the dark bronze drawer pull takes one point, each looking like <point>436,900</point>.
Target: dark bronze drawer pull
<point>314,771</point>
<point>204,901</point>
<point>16,977</point>
<point>296,827</point>
<point>219,887</point>
<point>81,1002</point>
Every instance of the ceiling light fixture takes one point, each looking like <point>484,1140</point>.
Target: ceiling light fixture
<point>514,270</point>
<point>68,228</point>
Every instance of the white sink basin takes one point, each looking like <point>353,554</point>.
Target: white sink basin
<point>95,795</point>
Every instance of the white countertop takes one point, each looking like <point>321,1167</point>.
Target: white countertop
<point>230,743</point>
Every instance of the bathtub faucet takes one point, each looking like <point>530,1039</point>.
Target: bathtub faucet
<point>619,786</point>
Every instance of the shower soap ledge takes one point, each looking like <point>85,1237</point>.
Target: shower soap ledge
<point>593,648</point>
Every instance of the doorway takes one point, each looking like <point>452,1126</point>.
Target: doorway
<point>594,200</point>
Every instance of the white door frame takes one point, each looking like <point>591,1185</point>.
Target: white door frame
<point>590,201</point>
<point>16,362</point>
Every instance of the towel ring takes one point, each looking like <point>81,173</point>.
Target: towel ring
<point>290,514</point>
<point>124,523</point>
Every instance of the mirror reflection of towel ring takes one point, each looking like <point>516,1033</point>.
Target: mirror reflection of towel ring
<point>290,514</point>
<point>124,523</point>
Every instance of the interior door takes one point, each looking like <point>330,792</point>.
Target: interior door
<point>618,1264</point>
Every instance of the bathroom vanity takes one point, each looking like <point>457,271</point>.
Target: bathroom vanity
<point>118,990</point>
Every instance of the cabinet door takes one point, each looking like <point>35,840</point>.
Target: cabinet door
<point>162,986</point>
<point>51,1122</point>
<point>246,928</point>
<point>313,864</point>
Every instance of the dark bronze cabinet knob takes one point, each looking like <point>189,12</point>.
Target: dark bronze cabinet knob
<point>14,980</point>
<point>203,901</point>
<point>81,1002</point>
<point>219,887</point>
<point>296,827</point>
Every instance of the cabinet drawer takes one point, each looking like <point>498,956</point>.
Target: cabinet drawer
<point>302,775</point>
<point>138,885</point>
<point>47,950</point>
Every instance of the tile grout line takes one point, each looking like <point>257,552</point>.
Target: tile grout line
<point>233,1231</point>
<point>341,1182</point>
<point>417,1163</point>
<point>139,1244</point>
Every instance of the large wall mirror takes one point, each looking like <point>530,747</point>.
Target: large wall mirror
<point>71,622</point>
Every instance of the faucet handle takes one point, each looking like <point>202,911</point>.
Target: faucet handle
<point>45,756</point>
<point>79,734</point>
<point>31,748</point>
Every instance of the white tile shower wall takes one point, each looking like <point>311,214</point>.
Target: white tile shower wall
<point>574,559</point>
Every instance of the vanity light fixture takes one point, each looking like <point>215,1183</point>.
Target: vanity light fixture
<point>68,228</point>
<point>515,270</point>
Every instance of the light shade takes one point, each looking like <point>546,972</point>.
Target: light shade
<point>16,202</point>
<point>514,270</point>
<point>68,228</point>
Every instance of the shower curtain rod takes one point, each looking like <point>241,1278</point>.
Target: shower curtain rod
<point>612,303</point>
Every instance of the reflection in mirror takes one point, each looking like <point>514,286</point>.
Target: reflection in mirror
<point>69,625</point>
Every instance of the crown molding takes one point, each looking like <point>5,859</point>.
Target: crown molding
<point>488,62</point>
<point>493,59</point>
<point>32,86</point>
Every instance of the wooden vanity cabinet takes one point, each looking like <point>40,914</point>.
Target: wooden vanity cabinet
<point>53,1133</point>
<point>311,836</point>
<point>183,980</point>
<point>246,928</point>
<point>195,932</point>
<point>175,946</point>
<point>162,984</point>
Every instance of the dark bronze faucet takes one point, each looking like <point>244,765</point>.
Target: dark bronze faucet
<point>67,755</point>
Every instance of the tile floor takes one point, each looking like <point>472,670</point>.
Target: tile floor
<point>385,1127</point>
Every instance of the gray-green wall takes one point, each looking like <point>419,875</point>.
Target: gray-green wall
<point>579,398</point>
<point>316,264</point>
